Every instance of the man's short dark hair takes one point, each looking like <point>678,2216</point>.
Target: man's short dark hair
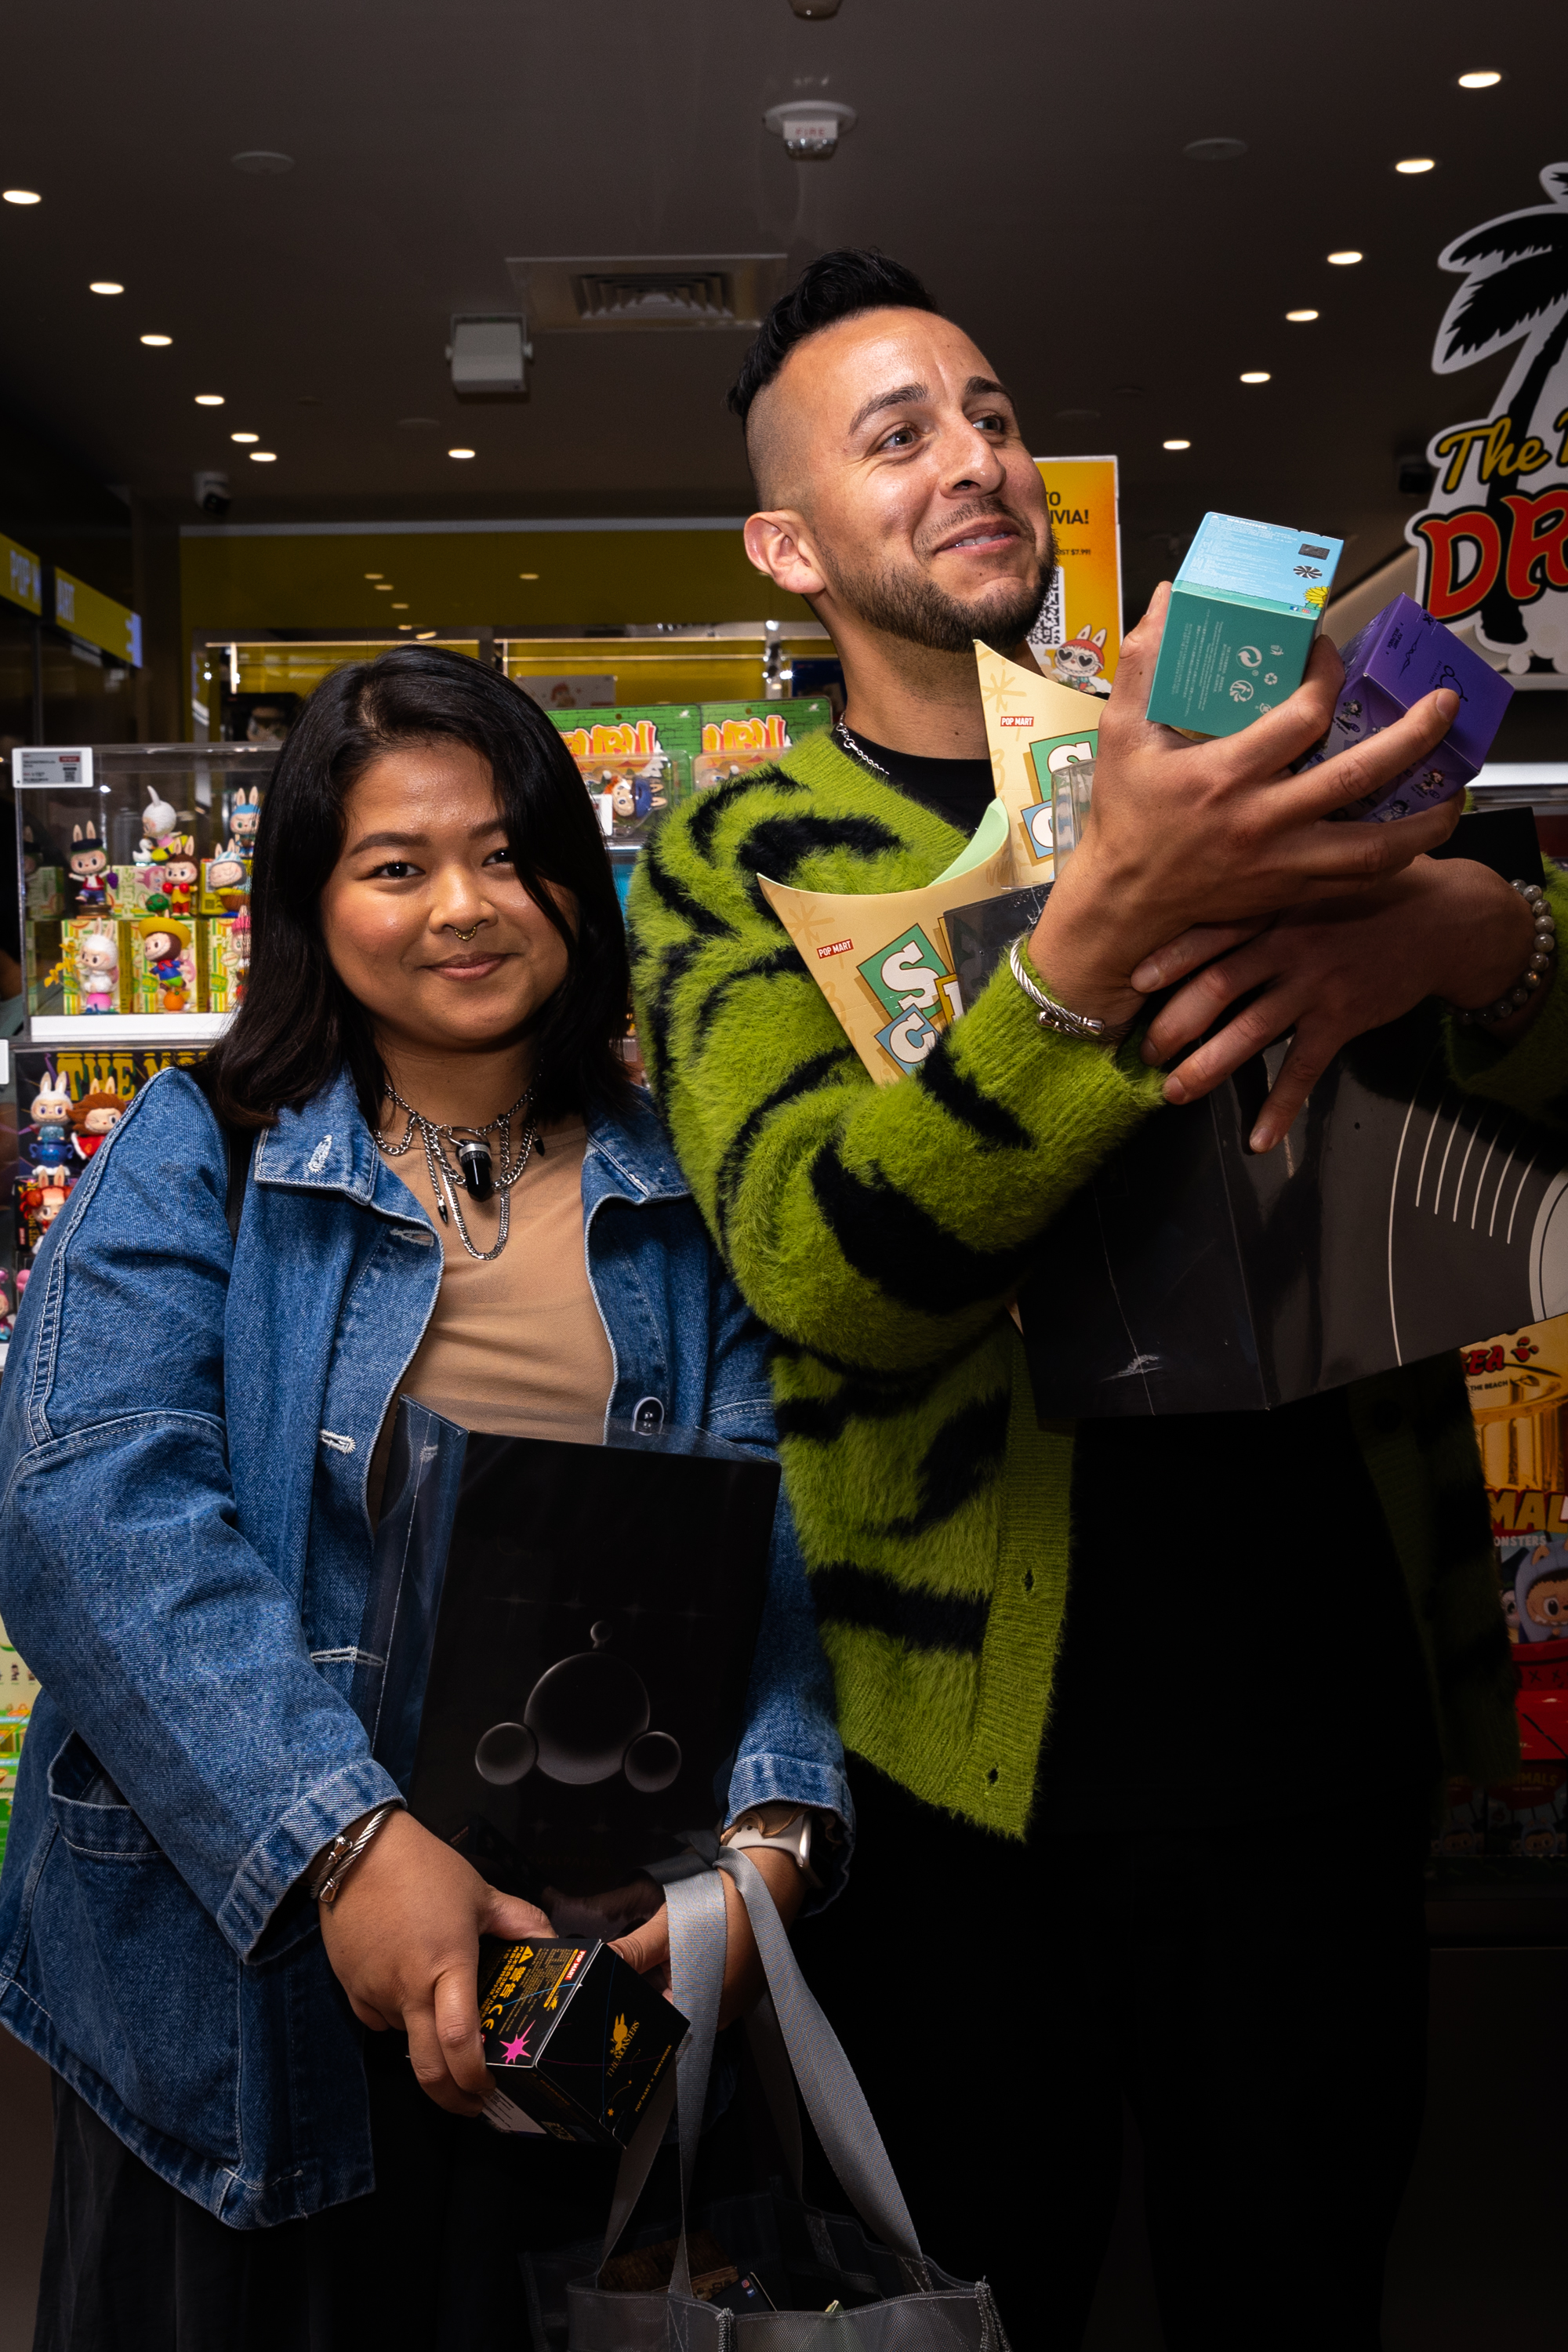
<point>835,286</point>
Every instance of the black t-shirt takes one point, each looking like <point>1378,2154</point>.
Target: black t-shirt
<point>959,790</point>
<point>1238,1623</point>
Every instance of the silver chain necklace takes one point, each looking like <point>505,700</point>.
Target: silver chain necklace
<point>474,1172</point>
<point>856,751</point>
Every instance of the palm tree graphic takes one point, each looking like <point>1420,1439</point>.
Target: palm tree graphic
<point>1516,290</point>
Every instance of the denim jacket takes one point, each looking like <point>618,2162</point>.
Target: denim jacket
<point>185,1429</point>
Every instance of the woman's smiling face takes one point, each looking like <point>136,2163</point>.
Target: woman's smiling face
<point>424,858</point>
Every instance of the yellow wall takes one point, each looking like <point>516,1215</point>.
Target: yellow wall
<point>453,580</point>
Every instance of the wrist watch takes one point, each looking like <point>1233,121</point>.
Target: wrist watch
<point>782,1829</point>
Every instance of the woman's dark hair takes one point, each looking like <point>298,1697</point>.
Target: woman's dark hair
<point>299,1025</point>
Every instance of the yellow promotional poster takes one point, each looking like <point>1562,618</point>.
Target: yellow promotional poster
<point>1034,728</point>
<point>1519,1395</point>
<point>882,959</point>
<point>1078,634</point>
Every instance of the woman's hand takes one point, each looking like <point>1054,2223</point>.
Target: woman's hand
<point>403,1936</point>
<point>1219,831</point>
<point>646,1950</point>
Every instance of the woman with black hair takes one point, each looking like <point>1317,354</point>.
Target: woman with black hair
<point>209,1877</point>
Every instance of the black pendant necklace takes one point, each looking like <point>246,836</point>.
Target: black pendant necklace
<point>476,1171</point>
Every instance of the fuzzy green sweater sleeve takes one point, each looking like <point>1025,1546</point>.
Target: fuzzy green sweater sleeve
<point>874,1225</point>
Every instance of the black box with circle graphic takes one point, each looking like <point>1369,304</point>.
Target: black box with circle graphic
<point>556,1651</point>
<point>576,2042</point>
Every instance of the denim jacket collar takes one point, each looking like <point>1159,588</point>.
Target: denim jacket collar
<point>326,1146</point>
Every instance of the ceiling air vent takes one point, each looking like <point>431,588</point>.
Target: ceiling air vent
<point>639,293</point>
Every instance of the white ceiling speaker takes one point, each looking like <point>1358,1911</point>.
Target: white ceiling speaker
<point>488,358</point>
<point>644,292</point>
<point>810,128</point>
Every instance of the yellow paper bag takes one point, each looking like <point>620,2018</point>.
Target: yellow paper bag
<point>1034,728</point>
<point>882,958</point>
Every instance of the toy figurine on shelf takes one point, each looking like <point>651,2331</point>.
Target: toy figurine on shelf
<point>92,884</point>
<point>244,818</point>
<point>51,1115</point>
<point>227,877</point>
<point>98,971</point>
<point>180,872</point>
<point>40,1197</point>
<point>158,820</point>
<point>239,955</point>
<point>93,1117</point>
<point>166,947</point>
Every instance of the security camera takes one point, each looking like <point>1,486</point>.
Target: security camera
<point>213,494</point>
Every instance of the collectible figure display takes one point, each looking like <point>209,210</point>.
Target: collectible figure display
<point>124,860</point>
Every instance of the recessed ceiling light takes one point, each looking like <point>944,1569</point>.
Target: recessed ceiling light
<point>425,635</point>
<point>460,453</point>
<point>1255,375</point>
<point>264,457</point>
<point>527,575</point>
<point>1214,151</point>
<point>209,400</point>
<point>405,624</point>
<point>1176,444</point>
<point>1343,260</point>
<point>158,342</point>
<point>410,422</point>
<point>1414,164</point>
<point>105,286</point>
<point>1479,80</point>
<point>386,588</point>
<point>401,606</point>
<point>1300,318</point>
<point>244,436</point>
<point>265,160</point>
<point>21,195</point>
<point>376,575</point>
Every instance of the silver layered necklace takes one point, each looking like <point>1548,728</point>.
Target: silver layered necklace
<point>856,751</point>
<point>476,1172</point>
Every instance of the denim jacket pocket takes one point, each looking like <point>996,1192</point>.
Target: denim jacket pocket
<point>138,1982</point>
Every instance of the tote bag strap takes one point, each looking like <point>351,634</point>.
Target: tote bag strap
<point>834,2099</point>
<point>697,1940</point>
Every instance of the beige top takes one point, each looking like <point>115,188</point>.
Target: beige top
<point>517,1341</point>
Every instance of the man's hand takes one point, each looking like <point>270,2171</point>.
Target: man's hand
<point>403,1936</point>
<point>646,1950</point>
<point>1446,927</point>
<point>1220,832</point>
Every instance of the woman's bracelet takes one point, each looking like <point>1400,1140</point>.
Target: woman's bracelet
<point>1513,998</point>
<point>333,1865</point>
<point>1056,1016</point>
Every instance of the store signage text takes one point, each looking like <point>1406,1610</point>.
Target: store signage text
<point>634,739</point>
<point>1493,543</point>
<point>746,735</point>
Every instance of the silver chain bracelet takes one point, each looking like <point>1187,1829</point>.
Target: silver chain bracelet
<point>1513,1000</point>
<point>333,1865</point>
<point>1056,1016</point>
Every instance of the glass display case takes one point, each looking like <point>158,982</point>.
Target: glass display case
<point>133,866</point>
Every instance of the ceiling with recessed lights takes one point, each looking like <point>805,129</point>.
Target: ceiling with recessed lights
<point>1204,239</point>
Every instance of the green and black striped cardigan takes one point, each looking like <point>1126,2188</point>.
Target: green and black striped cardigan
<point>880,1230</point>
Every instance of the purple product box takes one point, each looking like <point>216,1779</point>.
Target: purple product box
<point>1397,657</point>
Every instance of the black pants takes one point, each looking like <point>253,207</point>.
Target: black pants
<point>430,2261</point>
<point>1258,1999</point>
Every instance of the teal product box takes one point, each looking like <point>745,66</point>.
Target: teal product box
<point>1247,603</point>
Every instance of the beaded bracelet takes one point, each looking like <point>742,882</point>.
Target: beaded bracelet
<point>1513,998</point>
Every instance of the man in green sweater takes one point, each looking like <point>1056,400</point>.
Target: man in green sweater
<point>1144,1718</point>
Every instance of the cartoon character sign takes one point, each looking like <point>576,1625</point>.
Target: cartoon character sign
<point>98,971</point>
<point>88,865</point>
<point>1541,1593</point>
<point>1081,660</point>
<point>1493,542</point>
<point>93,1118</point>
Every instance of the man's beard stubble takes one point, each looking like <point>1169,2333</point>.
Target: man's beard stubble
<point>909,605</point>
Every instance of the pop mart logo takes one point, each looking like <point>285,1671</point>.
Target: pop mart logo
<point>913,982</point>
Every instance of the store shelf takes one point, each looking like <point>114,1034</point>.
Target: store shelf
<point>126,1028</point>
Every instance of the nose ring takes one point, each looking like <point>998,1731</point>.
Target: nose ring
<point>465,936</point>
